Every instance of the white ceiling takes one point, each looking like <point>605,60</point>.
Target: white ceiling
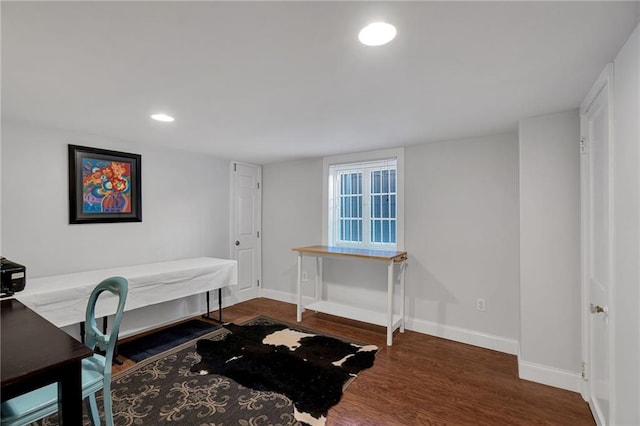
<point>271,81</point>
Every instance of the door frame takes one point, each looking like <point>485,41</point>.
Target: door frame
<point>232,239</point>
<point>604,82</point>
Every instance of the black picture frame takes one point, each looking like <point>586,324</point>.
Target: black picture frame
<point>104,186</point>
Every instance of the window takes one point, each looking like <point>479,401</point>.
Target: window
<point>362,202</point>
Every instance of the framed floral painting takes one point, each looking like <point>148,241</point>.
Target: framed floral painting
<point>104,186</point>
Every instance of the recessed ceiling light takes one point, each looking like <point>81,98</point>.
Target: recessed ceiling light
<point>162,117</point>
<point>377,34</point>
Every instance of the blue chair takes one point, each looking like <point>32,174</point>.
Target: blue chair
<point>96,370</point>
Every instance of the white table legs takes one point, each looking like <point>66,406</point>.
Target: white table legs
<point>403,266</point>
<point>390,303</point>
<point>388,320</point>
<point>299,310</point>
<point>318,285</point>
<point>318,278</point>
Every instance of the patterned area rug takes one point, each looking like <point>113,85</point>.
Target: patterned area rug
<point>163,390</point>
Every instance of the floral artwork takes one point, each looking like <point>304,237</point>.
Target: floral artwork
<point>104,186</point>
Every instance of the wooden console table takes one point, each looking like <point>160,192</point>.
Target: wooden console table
<point>387,319</point>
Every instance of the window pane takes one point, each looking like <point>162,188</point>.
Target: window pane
<point>375,182</point>
<point>350,230</point>
<point>375,205</point>
<point>384,206</point>
<point>347,230</point>
<point>385,231</point>
<point>393,231</point>
<point>350,207</point>
<point>392,186</point>
<point>393,206</point>
<point>385,181</point>
<point>375,231</point>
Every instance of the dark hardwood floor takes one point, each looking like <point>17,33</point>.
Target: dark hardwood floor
<point>424,380</point>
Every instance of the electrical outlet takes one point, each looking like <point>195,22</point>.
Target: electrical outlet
<point>481,305</point>
<point>305,277</point>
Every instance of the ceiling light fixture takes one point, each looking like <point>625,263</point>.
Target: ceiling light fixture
<point>377,34</point>
<point>162,117</point>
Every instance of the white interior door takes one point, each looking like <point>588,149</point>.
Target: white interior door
<point>246,226</point>
<point>597,230</point>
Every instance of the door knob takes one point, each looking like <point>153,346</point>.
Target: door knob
<point>595,309</point>
<point>237,243</point>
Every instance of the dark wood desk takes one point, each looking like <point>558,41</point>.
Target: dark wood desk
<point>36,353</point>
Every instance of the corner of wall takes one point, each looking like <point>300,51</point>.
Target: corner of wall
<point>550,171</point>
<point>280,296</point>
<point>558,378</point>
<point>550,376</point>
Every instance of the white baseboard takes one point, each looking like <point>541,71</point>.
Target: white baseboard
<point>457,334</point>
<point>527,370</point>
<point>555,377</point>
<point>463,335</point>
<point>283,296</point>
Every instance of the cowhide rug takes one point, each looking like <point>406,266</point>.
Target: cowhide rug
<point>310,369</point>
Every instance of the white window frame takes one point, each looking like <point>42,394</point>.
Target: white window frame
<point>327,207</point>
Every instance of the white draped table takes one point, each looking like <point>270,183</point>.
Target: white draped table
<point>62,299</point>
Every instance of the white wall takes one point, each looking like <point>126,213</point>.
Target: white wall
<point>1,194</point>
<point>291,217</point>
<point>461,234</point>
<point>550,338</point>
<point>181,214</point>
<point>626,177</point>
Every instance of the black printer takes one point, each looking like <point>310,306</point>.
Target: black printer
<point>12,277</point>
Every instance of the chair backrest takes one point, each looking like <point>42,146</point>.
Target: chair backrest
<point>94,337</point>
